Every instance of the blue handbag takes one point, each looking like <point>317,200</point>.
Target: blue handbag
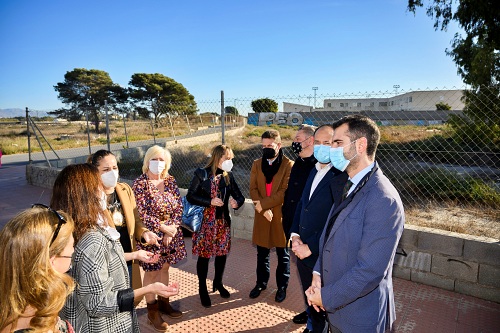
<point>192,216</point>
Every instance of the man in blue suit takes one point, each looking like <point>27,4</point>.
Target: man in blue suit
<point>352,278</point>
<point>310,218</point>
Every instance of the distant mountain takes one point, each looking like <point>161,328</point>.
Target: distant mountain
<point>12,113</point>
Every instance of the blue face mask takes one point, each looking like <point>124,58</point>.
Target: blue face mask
<point>337,158</point>
<point>322,153</point>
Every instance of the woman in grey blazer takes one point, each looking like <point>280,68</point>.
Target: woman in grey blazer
<point>103,300</point>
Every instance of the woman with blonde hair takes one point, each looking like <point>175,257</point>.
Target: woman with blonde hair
<point>103,300</point>
<point>35,251</point>
<point>160,208</point>
<point>214,187</point>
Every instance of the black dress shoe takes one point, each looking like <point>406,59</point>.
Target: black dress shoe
<point>280,294</point>
<point>301,318</point>
<point>257,290</point>
<point>306,331</point>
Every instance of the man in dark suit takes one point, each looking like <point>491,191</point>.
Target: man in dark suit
<point>352,278</point>
<point>303,146</point>
<point>310,218</point>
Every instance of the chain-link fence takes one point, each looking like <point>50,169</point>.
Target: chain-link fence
<point>437,146</point>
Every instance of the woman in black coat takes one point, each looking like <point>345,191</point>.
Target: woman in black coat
<point>214,188</point>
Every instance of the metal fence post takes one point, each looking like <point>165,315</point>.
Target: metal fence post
<point>29,135</point>
<point>88,129</point>
<point>222,116</point>
<point>107,124</point>
<point>125,127</point>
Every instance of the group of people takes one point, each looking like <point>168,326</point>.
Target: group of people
<point>75,263</point>
<point>341,217</point>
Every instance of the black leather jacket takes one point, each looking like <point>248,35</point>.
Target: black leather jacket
<point>199,192</point>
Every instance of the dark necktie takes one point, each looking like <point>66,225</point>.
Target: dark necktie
<point>347,186</point>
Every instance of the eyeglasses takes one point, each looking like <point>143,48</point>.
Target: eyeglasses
<point>59,223</point>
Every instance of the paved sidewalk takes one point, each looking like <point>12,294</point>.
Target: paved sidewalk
<point>419,308</point>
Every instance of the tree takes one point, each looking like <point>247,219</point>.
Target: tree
<point>87,90</point>
<point>443,106</point>
<point>476,55</point>
<point>264,105</point>
<point>231,110</point>
<point>477,58</point>
<point>161,95</point>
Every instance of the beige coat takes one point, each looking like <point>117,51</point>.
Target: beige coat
<point>269,234</point>
<point>134,225</point>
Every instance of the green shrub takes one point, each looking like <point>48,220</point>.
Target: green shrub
<point>450,186</point>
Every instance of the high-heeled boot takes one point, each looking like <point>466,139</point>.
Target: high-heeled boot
<point>154,318</point>
<point>202,271</point>
<point>165,307</point>
<point>220,264</point>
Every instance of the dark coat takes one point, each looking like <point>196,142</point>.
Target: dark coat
<point>298,177</point>
<point>199,192</point>
<point>311,214</point>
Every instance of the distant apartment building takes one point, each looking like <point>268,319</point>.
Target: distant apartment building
<point>410,108</point>
<point>410,101</point>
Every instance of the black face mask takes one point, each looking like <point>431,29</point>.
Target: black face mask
<point>268,153</point>
<point>297,147</point>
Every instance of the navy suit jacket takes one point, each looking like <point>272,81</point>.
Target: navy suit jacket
<point>311,214</point>
<point>356,258</point>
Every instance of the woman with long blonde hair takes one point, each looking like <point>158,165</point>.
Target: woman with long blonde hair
<point>35,251</point>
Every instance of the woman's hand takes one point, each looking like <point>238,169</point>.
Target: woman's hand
<point>159,288</point>
<point>168,230</point>
<point>151,238</point>
<point>166,240</point>
<point>217,202</point>
<point>233,203</point>
<point>146,256</point>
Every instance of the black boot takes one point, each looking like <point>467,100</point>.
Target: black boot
<point>220,264</point>
<point>202,271</point>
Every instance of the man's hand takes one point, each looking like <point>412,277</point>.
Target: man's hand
<point>233,203</point>
<point>301,250</point>
<point>313,295</point>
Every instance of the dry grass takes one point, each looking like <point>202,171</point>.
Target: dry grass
<point>470,221</point>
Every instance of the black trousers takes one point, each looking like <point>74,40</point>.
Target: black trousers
<point>318,319</point>
<point>263,266</point>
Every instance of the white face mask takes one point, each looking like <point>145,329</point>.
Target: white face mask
<point>156,167</point>
<point>110,178</point>
<point>227,165</point>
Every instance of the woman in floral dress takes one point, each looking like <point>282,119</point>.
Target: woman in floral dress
<point>214,187</point>
<point>160,208</point>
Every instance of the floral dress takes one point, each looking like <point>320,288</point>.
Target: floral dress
<point>154,207</point>
<point>214,237</point>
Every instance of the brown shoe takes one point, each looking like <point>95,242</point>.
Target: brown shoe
<point>154,318</point>
<point>166,308</point>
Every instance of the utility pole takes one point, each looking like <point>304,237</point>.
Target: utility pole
<point>315,89</point>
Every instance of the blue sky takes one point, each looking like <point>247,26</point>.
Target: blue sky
<point>246,48</point>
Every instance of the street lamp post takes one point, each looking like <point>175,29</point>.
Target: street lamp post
<point>396,87</point>
<point>315,89</point>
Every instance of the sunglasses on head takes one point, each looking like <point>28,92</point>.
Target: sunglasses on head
<point>59,217</point>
